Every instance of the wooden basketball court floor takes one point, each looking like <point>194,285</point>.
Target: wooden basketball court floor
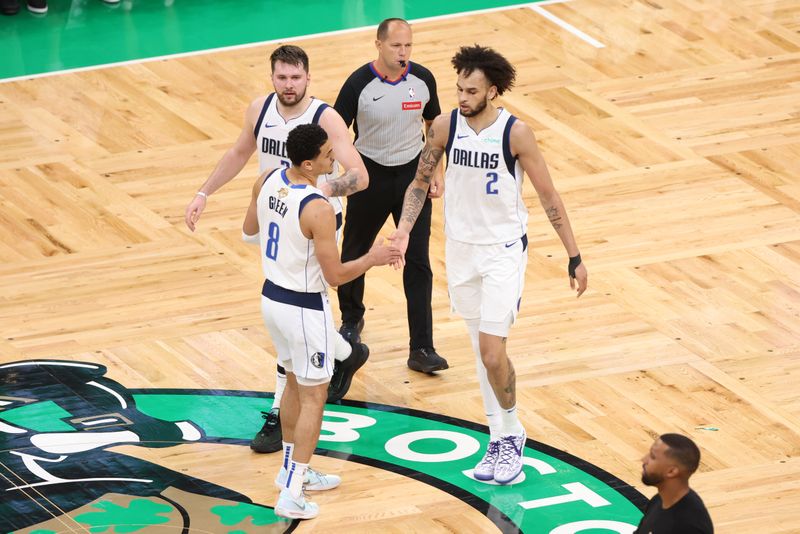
<point>676,147</point>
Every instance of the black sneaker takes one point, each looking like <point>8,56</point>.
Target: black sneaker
<point>37,6</point>
<point>270,437</point>
<point>352,331</point>
<point>9,7</point>
<point>426,360</point>
<point>343,372</point>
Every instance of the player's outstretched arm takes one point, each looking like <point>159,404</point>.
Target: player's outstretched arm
<point>417,190</point>
<point>319,223</point>
<point>523,144</point>
<point>436,190</point>
<point>229,166</point>
<point>250,226</point>
<point>356,178</point>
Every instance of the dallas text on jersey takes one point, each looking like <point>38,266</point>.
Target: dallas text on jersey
<point>481,160</point>
<point>273,147</point>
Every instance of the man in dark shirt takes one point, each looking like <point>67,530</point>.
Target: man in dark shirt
<point>387,101</point>
<point>676,509</point>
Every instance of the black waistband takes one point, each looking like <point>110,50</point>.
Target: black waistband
<point>311,301</point>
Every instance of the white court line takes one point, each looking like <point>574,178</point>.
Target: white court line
<point>567,26</point>
<point>45,362</point>
<point>272,41</point>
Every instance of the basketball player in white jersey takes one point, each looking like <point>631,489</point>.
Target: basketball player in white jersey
<point>295,226</point>
<point>485,226</point>
<point>290,105</point>
<point>268,121</point>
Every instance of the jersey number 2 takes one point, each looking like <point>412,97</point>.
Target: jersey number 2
<point>491,187</point>
<point>272,243</point>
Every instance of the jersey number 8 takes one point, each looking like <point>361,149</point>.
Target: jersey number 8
<point>272,243</point>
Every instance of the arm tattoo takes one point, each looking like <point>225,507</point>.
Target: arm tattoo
<point>554,216</point>
<point>415,195</point>
<point>428,160</point>
<point>344,185</point>
<point>412,205</point>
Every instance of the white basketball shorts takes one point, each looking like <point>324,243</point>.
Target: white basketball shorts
<point>485,282</point>
<point>301,327</point>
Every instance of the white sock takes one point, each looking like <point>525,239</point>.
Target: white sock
<point>510,422</point>
<point>495,426</point>
<point>288,449</point>
<point>280,385</point>
<point>295,478</point>
<point>490,404</point>
<point>341,348</point>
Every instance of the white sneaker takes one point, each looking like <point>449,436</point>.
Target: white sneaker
<point>509,461</point>
<point>314,480</point>
<point>485,468</point>
<point>295,509</point>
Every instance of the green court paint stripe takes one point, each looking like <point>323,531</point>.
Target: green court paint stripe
<point>65,42</point>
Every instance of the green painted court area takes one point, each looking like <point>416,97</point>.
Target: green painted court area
<point>555,494</point>
<point>86,33</point>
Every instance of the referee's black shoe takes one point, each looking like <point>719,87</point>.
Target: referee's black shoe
<point>37,6</point>
<point>343,372</point>
<point>426,360</point>
<point>352,331</point>
<point>9,7</point>
<point>270,437</point>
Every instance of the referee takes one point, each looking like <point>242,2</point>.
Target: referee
<point>387,100</point>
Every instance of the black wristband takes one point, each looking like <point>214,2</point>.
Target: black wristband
<point>574,261</point>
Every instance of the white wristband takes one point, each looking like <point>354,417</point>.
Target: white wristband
<point>252,239</point>
<point>205,196</point>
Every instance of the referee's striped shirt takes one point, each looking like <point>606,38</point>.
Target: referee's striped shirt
<point>387,114</point>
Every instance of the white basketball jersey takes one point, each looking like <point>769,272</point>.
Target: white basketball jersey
<point>286,254</point>
<point>271,132</point>
<point>483,184</point>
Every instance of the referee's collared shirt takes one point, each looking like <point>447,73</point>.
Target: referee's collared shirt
<point>388,113</point>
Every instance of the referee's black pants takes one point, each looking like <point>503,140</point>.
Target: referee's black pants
<point>367,211</point>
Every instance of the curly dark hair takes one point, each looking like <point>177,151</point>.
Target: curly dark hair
<point>304,142</point>
<point>493,65</point>
<point>289,54</point>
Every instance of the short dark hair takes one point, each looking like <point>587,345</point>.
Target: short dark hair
<point>683,450</point>
<point>493,65</point>
<point>383,27</point>
<point>289,54</point>
<point>304,142</point>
